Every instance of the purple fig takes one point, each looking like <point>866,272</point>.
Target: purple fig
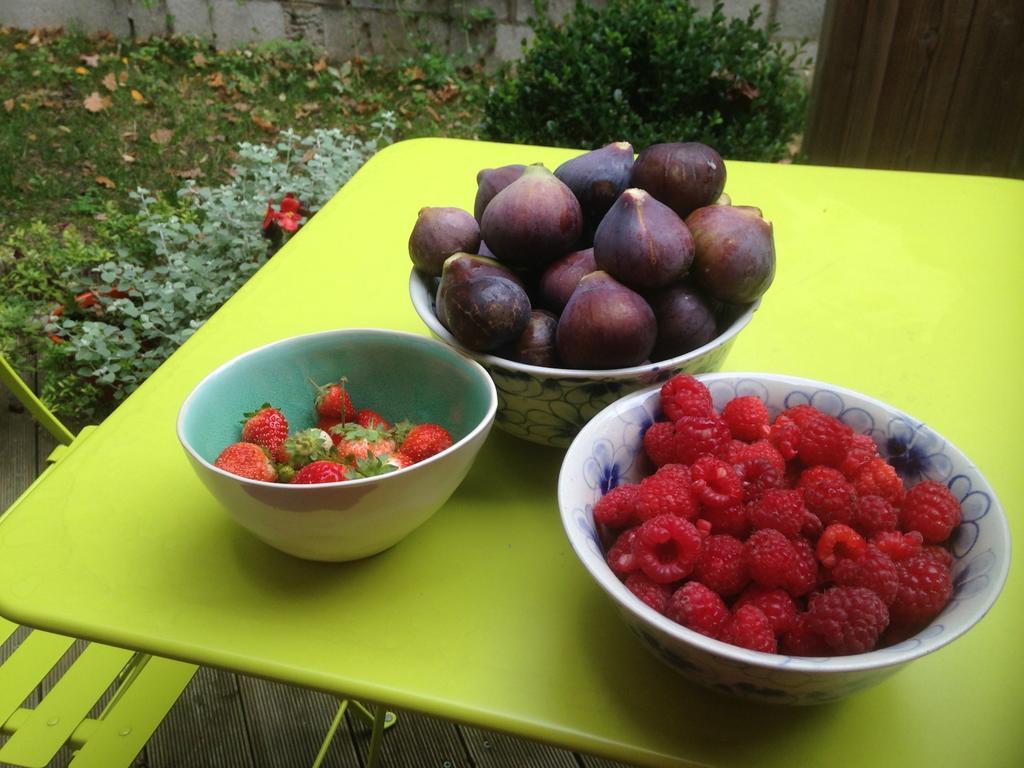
<point>440,232</point>
<point>562,276</point>
<point>536,344</point>
<point>532,221</point>
<point>597,178</point>
<point>605,325</point>
<point>490,181</point>
<point>642,242</point>
<point>685,321</point>
<point>462,266</point>
<point>683,175</point>
<point>734,252</point>
<point>485,312</point>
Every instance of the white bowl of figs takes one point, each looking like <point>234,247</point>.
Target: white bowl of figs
<point>575,287</point>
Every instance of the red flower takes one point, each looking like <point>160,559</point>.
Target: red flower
<point>289,216</point>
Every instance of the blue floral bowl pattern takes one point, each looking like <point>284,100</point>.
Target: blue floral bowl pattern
<point>549,406</point>
<point>608,451</point>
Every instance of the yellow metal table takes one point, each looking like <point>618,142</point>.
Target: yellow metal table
<point>903,286</point>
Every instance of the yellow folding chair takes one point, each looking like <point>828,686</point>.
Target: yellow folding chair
<point>139,689</point>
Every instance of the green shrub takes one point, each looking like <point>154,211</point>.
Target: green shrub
<point>649,71</point>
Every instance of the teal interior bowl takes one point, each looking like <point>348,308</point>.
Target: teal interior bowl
<point>399,375</point>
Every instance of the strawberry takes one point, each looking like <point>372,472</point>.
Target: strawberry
<point>327,424</point>
<point>400,460</point>
<point>267,427</point>
<point>305,447</point>
<point>368,418</point>
<point>320,472</point>
<point>247,460</point>
<point>371,466</point>
<point>359,442</point>
<point>333,402</point>
<point>424,441</point>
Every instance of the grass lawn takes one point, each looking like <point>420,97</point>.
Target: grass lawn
<point>84,119</point>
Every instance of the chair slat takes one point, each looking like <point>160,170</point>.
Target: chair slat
<point>27,666</point>
<point>67,704</point>
<point>136,712</point>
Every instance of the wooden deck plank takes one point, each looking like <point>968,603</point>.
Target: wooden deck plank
<point>206,727</point>
<point>498,750</point>
<point>287,725</point>
<point>414,740</point>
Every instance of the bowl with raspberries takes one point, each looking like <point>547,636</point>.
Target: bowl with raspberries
<point>781,539</point>
<point>334,446</point>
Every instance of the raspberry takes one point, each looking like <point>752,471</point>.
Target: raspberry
<point>740,452</point>
<point>930,508</point>
<point>721,565</point>
<point>667,548</point>
<point>621,558</point>
<point>801,640</point>
<point>655,595</point>
<point>827,494</point>
<point>666,492</point>
<point>776,604</point>
<point>785,436</point>
<point>939,554</point>
<point>848,619</point>
<point>749,628</point>
<point>660,443</point>
<point>757,476</point>
<point>839,541</point>
<point>617,508</point>
<point>715,483</point>
<point>801,415</point>
<point>804,576</point>
<point>873,514</point>
<point>747,418</point>
<point>696,607</point>
<point>732,521</point>
<point>824,440</point>
<point>873,569</point>
<point>782,510</point>
<point>926,585</point>
<point>862,450</point>
<point>683,395</point>
<point>699,435</point>
<point>878,478</point>
<point>771,557</point>
<point>898,546</point>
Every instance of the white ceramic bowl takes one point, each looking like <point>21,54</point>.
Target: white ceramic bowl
<point>550,405</point>
<point>400,375</point>
<point>608,451</point>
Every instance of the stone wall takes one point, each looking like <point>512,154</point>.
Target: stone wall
<point>348,27</point>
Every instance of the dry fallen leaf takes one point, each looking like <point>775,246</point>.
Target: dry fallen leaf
<point>128,158</point>
<point>308,155</point>
<point>199,60</point>
<point>96,103</point>
<point>8,104</point>
<point>321,64</point>
<point>215,80</point>
<point>110,82</point>
<point>103,181</point>
<point>433,113</point>
<point>241,106</point>
<point>90,60</point>
<point>20,46</point>
<point>191,173</point>
<point>81,71</point>
<point>122,76</point>
<point>161,136</point>
<point>263,124</point>
<point>137,97</point>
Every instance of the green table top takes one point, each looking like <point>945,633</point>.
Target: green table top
<point>902,286</point>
